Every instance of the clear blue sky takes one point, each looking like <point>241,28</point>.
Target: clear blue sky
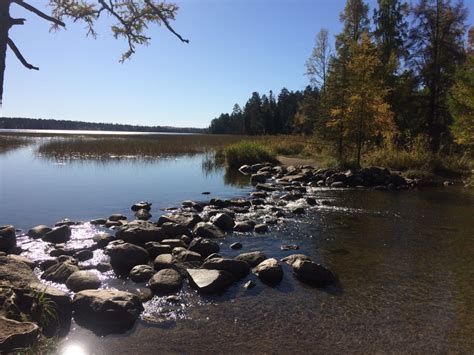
<point>237,47</point>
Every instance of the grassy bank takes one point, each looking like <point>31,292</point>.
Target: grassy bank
<point>8,143</point>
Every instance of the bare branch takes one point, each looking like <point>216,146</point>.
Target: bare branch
<point>39,13</point>
<point>20,57</point>
<point>165,21</point>
<point>17,21</point>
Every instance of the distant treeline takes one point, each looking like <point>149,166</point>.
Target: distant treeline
<point>39,123</point>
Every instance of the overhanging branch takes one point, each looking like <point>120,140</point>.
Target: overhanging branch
<point>165,21</point>
<point>39,13</point>
<point>20,57</point>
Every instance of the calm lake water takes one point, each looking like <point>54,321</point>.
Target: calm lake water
<point>405,262</point>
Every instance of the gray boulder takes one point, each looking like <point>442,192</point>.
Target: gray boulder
<point>16,272</point>
<point>239,269</point>
<point>106,311</point>
<point>205,247</point>
<point>31,264</point>
<point>82,280</point>
<point>38,231</point>
<point>188,220</point>
<point>291,259</point>
<point>123,257</point>
<point>7,238</point>
<point>261,228</point>
<point>142,205</point>
<point>269,271</point>
<point>117,217</point>
<point>141,273</point>
<point>139,233</point>
<point>143,215</point>
<point>164,261</point>
<point>209,281</point>
<point>59,272</point>
<point>223,221</point>
<point>15,335</point>
<point>102,239</point>
<point>244,226</point>
<point>253,258</point>
<point>155,249</point>
<point>58,235</point>
<point>207,230</point>
<point>165,281</point>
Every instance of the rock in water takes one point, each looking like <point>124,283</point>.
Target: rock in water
<point>140,232</point>
<point>59,272</point>
<point>142,205</point>
<point>207,230</point>
<point>165,281</point>
<point>223,221</point>
<point>209,281</point>
<point>14,335</point>
<point>59,235</point>
<point>205,247</point>
<point>141,273</point>
<point>38,231</point>
<point>269,271</point>
<point>239,269</point>
<point>7,238</point>
<point>253,258</point>
<point>16,272</point>
<point>312,273</point>
<point>106,311</point>
<point>291,259</point>
<point>82,280</point>
<point>124,257</point>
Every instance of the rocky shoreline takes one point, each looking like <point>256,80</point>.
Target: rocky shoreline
<point>181,246</point>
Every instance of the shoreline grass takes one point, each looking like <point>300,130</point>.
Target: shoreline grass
<point>8,143</point>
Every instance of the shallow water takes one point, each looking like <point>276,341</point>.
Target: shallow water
<point>404,261</point>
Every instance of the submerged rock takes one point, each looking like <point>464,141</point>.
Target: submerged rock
<point>106,311</point>
<point>292,259</point>
<point>269,271</point>
<point>239,269</point>
<point>312,273</point>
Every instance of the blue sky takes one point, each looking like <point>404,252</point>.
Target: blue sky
<point>237,47</point>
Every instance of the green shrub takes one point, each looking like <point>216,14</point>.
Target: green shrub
<point>246,152</point>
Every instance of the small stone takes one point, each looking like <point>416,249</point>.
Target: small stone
<point>236,246</point>
<point>249,284</point>
<point>269,271</point>
<point>261,228</point>
<point>117,217</point>
<point>286,247</point>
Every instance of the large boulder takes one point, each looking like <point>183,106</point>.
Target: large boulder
<point>188,220</point>
<point>14,334</point>
<point>165,281</point>
<point>82,280</point>
<point>59,272</point>
<point>207,230</point>
<point>312,273</point>
<point>209,281</point>
<point>142,205</point>
<point>38,231</point>
<point>269,271</point>
<point>141,273</point>
<point>253,258</point>
<point>239,269</point>
<point>164,261</point>
<point>140,233</point>
<point>102,239</point>
<point>58,235</point>
<point>293,258</point>
<point>155,249</point>
<point>173,230</point>
<point>205,247</point>
<point>106,311</point>
<point>223,221</point>
<point>16,272</point>
<point>7,238</point>
<point>31,264</point>
<point>123,257</point>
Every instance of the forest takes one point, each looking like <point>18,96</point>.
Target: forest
<point>397,75</point>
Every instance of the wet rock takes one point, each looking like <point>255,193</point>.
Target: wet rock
<point>265,187</point>
<point>124,257</point>
<point>102,239</point>
<point>155,249</point>
<point>312,273</point>
<point>31,264</point>
<point>204,247</point>
<point>258,194</point>
<point>144,294</point>
<point>245,169</point>
<point>205,193</point>
<point>83,255</point>
<point>82,280</point>
<point>249,284</point>
<point>173,243</point>
<point>239,269</point>
<point>165,281</point>
<point>188,220</point>
<point>58,235</point>
<point>269,271</point>
<point>59,272</point>
<point>38,231</point>
<point>298,210</point>
<point>142,205</point>
<point>223,221</point>
<point>16,272</point>
<point>253,258</point>
<point>207,230</point>
<point>65,222</point>
<point>140,233</point>
<point>286,247</point>
<point>103,266</point>
<point>98,221</point>
<point>186,239</point>
<point>143,215</point>
<point>261,228</point>
<point>214,256</point>
<point>110,224</point>
<point>244,226</point>
<point>106,311</point>
<point>239,203</point>
<point>164,261</point>
<point>14,334</point>
<point>173,230</point>
<point>117,217</point>
<point>141,273</point>
<point>192,204</point>
<point>258,178</point>
<point>236,246</point>
<point>209,281</point>
<point>187,255</point>
<point>217,202</point>
<point>44,264</point>
<point>292,259</point>
<point>7,238</point>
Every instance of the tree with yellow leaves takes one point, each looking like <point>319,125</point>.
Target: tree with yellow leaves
<point>367,116</point>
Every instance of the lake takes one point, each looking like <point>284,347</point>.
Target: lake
<point>404,259</point>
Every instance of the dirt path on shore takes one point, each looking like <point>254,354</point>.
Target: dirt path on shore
<point>295,161</point>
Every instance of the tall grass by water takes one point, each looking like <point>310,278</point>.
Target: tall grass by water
<point>8,143</point>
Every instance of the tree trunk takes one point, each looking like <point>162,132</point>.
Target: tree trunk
<point>5,24</point>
